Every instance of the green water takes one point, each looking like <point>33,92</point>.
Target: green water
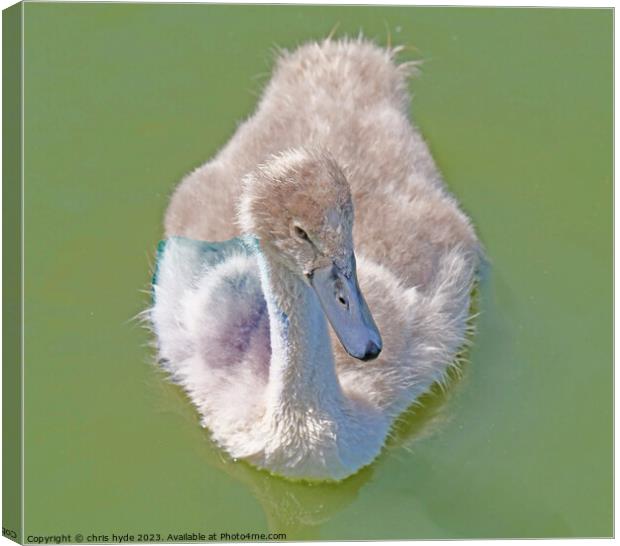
<point>123,100</point>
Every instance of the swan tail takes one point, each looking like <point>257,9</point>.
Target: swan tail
<point>355,69</point>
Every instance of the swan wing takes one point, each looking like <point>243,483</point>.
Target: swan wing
<point>211,323</point>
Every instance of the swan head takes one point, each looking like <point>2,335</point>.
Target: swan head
<point>298,204</point>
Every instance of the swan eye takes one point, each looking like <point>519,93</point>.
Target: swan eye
<point>301,233</point>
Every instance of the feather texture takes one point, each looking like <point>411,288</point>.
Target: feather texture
<point>328,165</point>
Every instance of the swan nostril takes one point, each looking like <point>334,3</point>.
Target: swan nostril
<point>372,351</point>
<point>342,300</point>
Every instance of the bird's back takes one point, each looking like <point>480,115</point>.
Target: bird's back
<point>349,97</point>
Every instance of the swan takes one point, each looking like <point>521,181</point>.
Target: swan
<point>316,275</point>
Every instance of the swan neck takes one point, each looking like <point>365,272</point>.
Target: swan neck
<point>302,376</point>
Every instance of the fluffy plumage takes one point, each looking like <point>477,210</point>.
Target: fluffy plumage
<point>330,151</point>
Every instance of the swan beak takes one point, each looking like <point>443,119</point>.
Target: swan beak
<point>341,299</point>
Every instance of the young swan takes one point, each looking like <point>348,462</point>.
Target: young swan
<point>244,325</point>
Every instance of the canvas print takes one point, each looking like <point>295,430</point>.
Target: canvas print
<point>285,272</point>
